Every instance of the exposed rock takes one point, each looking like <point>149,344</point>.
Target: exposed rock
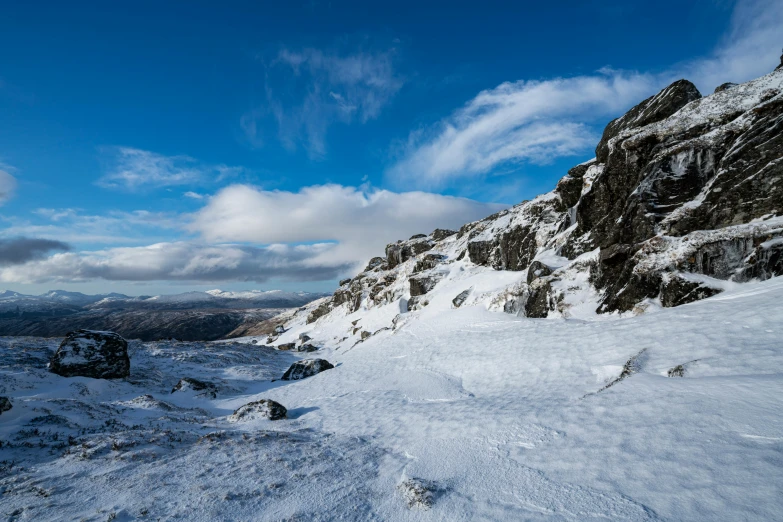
<point>87,353</point>
<point>5,404</point>
<point>677,371</point>
<point>279,329</point>
<point>205,389</point>
<point>306,368</point>
<point>375,262</point>
<point>479,252</point>
<point>365,335</point>
<point>303,337</point>
<point>540,300</point>
<point>420,285</point>
<point>263,409</point>
<point>632,366</point>
<point>655,108</point>
<point>344,282</point>
<point>461,298</point>
<point>418,493</point>
<point>398,253</point>
<point>427,262</point>
<point>725,87</point>
<point>537,269</point>
<point>307,348</point>
<point>676,291</point>
<point>418,236</point>
<point>439,234</point>
<point>319,312</point>
<point>286,346</point>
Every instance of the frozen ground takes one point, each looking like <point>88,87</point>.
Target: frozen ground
<point>501,415</point>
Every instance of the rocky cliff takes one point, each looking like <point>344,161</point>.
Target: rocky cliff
<point>684,197</point>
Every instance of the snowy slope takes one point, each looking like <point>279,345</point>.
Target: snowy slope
<point>503,414</point>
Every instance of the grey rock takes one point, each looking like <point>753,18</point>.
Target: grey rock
<point>461,298</point>
<point>285,347</point>
<point>303,337</point>
<point>279,330</point>
<point>375,262</point>
<point>439,234</point>
<point>264,409</point>
<point>420,285</point>
<point>676,291</point>
<point>344,282</point>
<point>306,368</point>
<point>87,353</point>
<point>537,269</point>
<point>418,236</point>
<point>205,389</point>
<point>427,262</point>
<point>418,493</point>
<point>307,348</point>
<point>725,87</point>
<point>5,404</point>
<point>677,371</point>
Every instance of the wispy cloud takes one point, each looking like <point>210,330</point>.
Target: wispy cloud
<point>135,169</point>
<point>539,121</point>
<point>308,90</point>
<point>7,183</point>
<point>193,195</point>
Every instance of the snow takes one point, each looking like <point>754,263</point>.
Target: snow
<point>499,416</point>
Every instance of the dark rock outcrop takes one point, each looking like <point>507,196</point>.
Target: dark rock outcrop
<point>263,409</point>
<point>306,368</point>
<point>427,262</point>
<point>398,253</point>
<point>285,347</point>
<point>418,493</point>
<point>439,234</point>
<point>725,87</point>
<point>307,348</point>
<point>421,284</point>
<point>461,298</point>
<point>87,353</point>
<point>202,388</point>
<point>5,404</point>
<point>537,269</point>
<point>344,282</point>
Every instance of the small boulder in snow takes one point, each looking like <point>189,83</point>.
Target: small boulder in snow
<point>304,337</point>
<point>5,404</point>
<point>286,346</point>
<point>201,388</point>
<point>307,348</point>
<point>263,409</point>
<point>418,493</point>
<point>306,368</point>
<point>279,329</point>
<point>87,353</point>
<point>461,298</point>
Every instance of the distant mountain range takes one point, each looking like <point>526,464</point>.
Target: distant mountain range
<point>194,316</point>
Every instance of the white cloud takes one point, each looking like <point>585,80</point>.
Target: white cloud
<point>361,222</point>
<point>308,90</point>
<point>178,261</point>
<point>193,195</point>
<point>316,234</point>
<point>135,169</point>
<point>7,183</point>
<point>538,121</point>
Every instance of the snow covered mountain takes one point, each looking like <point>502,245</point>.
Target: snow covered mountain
<point>683,200</point>
<point>196,316</point>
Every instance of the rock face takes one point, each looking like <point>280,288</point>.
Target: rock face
<point>201,388</point>
<point>263,409</point>
<point>684,191</point>
<point>306,368</point>
<point>418,493</point>
<point>461,298</point>
<point>5,404</point>
<point>87,353</point>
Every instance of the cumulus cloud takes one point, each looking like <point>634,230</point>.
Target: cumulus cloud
<point>7,183</point>
<point>20,250</point>
<point>134,169</point>
<point>177,261</point>
<point>361,222</point>
<point>316,234</point>
<point>308,90</point>
<point>538,121</point>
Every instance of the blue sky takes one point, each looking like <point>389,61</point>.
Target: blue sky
<point>161,146</point>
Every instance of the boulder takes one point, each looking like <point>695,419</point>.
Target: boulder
<point>480,252</point>
<point>263,409</point>
<point>537,269</point>
<point>5,404</point>
<point>303,337</point>
<point>439,234</point>
<point>676,291</point>
<point>375,262</point>
<point>398,253</point>
<point>307,348</point>
<point>279,329</point>
<point>344,282</point>
<point>418,236</point>
<point>418,493</point>
<point>365,335</point>
<point>306,368</point>
<point>88,353</point>
<point>677,371</point>
<point>201,388</point>
<point>322,310</point>
<point>460,299</point>
<point>420,285</point>
<point>286,346</point>
<point>725,86</point>
<point>427,262</point>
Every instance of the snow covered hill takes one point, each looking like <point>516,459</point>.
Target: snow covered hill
<point>670,415</point>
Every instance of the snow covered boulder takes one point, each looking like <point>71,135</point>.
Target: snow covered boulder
<point>88,353</point>
<point>263,409</point>
<point>200,388</point>
<point>5,404</point>
<point>418,493</point>
<point>306,368</point>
